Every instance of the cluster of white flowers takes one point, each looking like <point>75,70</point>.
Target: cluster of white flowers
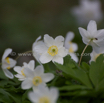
<point>88,10</point>
<point>54,50</point>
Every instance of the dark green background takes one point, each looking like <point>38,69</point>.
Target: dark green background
<point>22,21</point>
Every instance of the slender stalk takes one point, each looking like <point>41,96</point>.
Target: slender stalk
<point>83,52</point>
<point>22,53</point>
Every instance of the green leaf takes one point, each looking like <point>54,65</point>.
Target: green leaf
<point>74,71</point>
<point>96,72</point>
<point>85,67</point>
<point>73,87</point>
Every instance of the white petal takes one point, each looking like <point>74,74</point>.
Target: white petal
<point>74,57</point>
<point>100,34</point>
<point>12,62</point>
<point>62,52</point>
<point>45,58</point>
<point>58,59</point>
<point>8,73</point>
<point>6,53</point>
<point>59,41</point>
<point>92,27</point>
<point>33,97</point>
<point>39,70</point>
<point>29,73</point>
<point>21,77</point>
<point>69,37</point>
<point>47,77</point>
<point>26,84</point>
<point>49,41</point>
<point>54,93</point>
<point>83,32</point>
<point>18,69</point>
<point>40,47</point>
<point>75,47</point>
<point>31,64</point>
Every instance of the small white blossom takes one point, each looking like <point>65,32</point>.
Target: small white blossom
<point>44,95</point>
<point>88,10</point>
<point>94,37</point>
<point>8,63</point>
<point>36,78</point>
<point>72,47</point>
<point>51,49</point>
<point>20,70</point>
<point>94,55</point>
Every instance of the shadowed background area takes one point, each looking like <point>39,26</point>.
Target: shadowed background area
<point>21,22</point>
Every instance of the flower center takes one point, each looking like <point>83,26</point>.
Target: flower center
<point>44,100</point>
<point>7,60</point>
<point>71,48</point>
<point>37,80</point>
<point>22,71</point>
<point>53,50</point>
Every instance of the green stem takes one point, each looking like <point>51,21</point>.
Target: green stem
<point>83,52</point>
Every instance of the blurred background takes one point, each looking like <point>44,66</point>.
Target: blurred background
<point>22,21</point>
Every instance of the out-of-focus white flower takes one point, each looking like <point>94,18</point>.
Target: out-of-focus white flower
<point>92,36</point>
<point>51,49</point>
<point>44,95</point>
<point>7,63</point>
<point>36,54</point>
<point>20,70</point>
<point>72,47</point>
<point>94,55</point>
<point>88,10</point>
<point>36,78</point>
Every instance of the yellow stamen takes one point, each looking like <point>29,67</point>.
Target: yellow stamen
<point>44,100</point>
<point>8,67</point>
<point>22,71</point>
<point>53,50</point>
<point>37,80</point>
<point>71,50</point>
<point>7,60</point>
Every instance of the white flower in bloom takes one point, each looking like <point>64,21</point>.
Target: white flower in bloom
<point>51,49</point>
<point>8,63</point>
<point>36,78</point>
<point>36,54</point>
<point>92,35</point>
<point>88,10</point>
<point>44,95</point>
<point>72,47</point>
<point>20,70</point>
<point>94,55</point>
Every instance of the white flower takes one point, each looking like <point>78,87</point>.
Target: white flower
<point>36,54</point>
<point>92,35</point>
<point>72,47</point>
<point>20,70</point>
<point>94,55</point>
<point>51,49</point>
<point>44,95</point>
<point>88,10</point>
<point>36,78</point>
<point>8,63</point>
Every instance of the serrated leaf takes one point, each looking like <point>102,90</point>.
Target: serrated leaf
<point>96,72</point>
<point>74,71</point>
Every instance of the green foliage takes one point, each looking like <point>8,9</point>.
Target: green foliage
<point>84,84</point>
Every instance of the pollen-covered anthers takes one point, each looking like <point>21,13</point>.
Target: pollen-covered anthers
<point>44,100</point>
<point>7,60</point>
<point>53,50</point>
<point>22,71</point>
<point>71,50</point>
<point>37,80</point>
